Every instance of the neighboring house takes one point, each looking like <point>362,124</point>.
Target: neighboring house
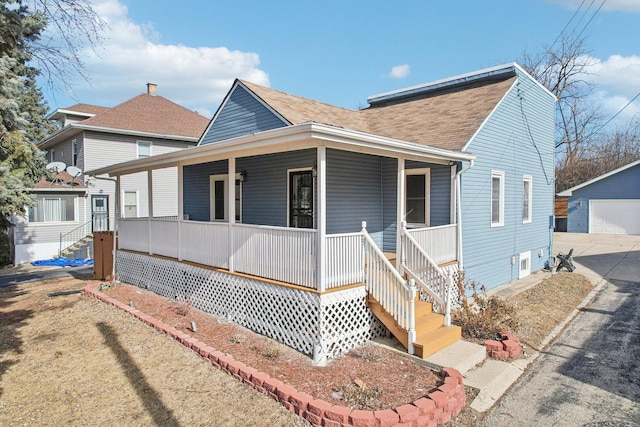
<point>306,220</point>
<point>91,137</point>
<point>609,203</point>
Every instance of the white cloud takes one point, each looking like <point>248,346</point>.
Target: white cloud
<point>399,71</point>
<point>618,81</point>
<point>132,55</point>
<point>609,6</point>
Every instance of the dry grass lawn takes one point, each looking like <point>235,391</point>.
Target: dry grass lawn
<point>71,360</point>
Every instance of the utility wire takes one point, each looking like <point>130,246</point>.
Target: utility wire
<point>619,111</point>
<point>591,19</point>
<point>568,23</point>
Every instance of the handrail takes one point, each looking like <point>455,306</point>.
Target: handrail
<point>390,289</point>
<point>442,299</point>
<point>74,233</point>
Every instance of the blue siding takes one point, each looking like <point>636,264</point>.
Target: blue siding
<point>523,122</point>
<point>264,194</point>
<point>242,114</point>
<point>196,188</point>
<point>623,185</point>
<point>354,193</point>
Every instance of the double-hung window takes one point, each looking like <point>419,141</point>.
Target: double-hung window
<point>144,149</point>
<point>497,198</point>
<point>527,199</point>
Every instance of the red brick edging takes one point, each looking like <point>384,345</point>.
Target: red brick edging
<point>507,348</point>
<point>436,408</point>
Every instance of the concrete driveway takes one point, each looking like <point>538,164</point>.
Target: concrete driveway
<point>590,376</point>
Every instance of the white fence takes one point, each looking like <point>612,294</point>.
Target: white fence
<point>133,234</point>
<point>441,243</point>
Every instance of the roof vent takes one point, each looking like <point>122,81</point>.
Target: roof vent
<point>152,89</point>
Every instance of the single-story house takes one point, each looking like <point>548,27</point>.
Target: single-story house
<point>609,203</point>
<point>318,225</point>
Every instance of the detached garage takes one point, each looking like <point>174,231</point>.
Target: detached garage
<point>608,204</point>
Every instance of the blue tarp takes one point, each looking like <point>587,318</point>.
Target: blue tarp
<point>63,262</point>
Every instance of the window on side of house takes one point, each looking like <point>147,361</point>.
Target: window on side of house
<point>527,199</point>
<point>497,198</point>
<point>130,204</point>
<point>74,152</point>
<point>144,149</point>
<point>53,208</point>
<point>52,155</point>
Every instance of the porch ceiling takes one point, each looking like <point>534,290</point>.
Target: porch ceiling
<point>290,138</point>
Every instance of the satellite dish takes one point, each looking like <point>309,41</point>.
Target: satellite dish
<point>74,171</point>
<point>56,167</point>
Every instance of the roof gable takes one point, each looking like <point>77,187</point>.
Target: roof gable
<point>241,112</point>
<point>152,114</point>
<point>569,192</point>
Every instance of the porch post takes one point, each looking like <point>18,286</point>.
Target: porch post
<point>231,205</point>
<point>400,215</point>
<point>116,219</point>
<point>321,218</point>
<point>180,210</point>
<point>150,206</point>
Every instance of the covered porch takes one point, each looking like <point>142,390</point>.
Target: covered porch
<point>314,207</point>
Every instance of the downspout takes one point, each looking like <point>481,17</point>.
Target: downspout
<point>459,212</point>
<point>116,208</point>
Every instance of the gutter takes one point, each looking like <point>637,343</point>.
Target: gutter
<point>459,212</point>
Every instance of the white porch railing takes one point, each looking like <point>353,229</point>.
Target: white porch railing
<point>390,289</point>
<point>435,285</point>
<point>345,259</point>
<point>205,243</point>
<point>133,234</point>
<point>441,243</point>
<point>278,253</point>
<point>164,237</point>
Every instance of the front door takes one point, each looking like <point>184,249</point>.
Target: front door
<point>100,212</point>
<point>301,199</point>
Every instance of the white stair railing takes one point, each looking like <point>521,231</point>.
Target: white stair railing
<point>435,286</point>
<point>389,288</point>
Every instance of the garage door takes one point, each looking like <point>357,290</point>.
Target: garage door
<point>614,216</point>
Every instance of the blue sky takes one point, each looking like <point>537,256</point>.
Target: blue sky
<point>340,52</point>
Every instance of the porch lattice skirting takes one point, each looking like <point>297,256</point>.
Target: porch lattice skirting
<point>333,323</point>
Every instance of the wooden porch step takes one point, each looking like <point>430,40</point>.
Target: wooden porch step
<point>433,341</point>
<point>431,334</point>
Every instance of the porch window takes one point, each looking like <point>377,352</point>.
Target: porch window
<point>301,199</point>
<point>53,209</point>
<point>144,149</point>
<point>417,197</point>
<point>219,206</point>
<point>130,204</point>
<point>497,198</point>
<point>527,198</point>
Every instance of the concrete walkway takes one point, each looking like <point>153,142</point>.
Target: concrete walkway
<point>597,257</point>
<point>590,374</point>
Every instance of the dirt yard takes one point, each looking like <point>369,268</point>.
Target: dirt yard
<point>73,360</point>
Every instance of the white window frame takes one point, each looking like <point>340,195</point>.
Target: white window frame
<point>500,175</point>
<point>145,143</point>
<point>526,271</point>
<point>427,195</point>
<point>529,218</point>
<point>212,200</point>
<point>124,199</point>
<point>76,211</point>
<point>288,206</point>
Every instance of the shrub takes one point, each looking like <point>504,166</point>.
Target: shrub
<point>485,317</point>
<point>360,397</point>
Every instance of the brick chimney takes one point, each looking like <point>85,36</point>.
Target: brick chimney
<point>152,89</point>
